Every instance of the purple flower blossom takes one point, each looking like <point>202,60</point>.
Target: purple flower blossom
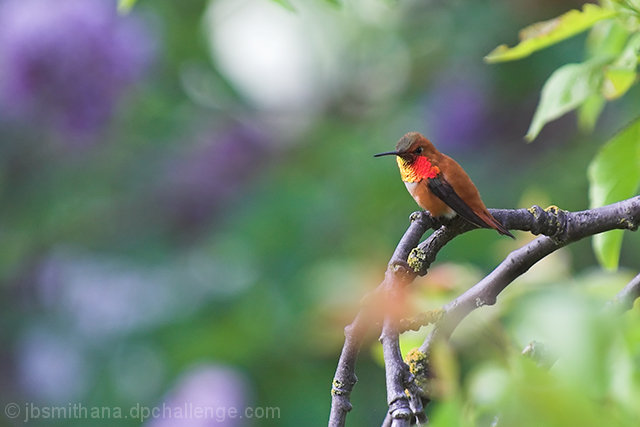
<point>51,367</point>
<point>457,112</point>
<point>67,64</point>
<point>205,396</point>
<point>210,173</point>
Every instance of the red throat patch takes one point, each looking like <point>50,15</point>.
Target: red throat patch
<point>421,168</point>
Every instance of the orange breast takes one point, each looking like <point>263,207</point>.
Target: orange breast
<point>427,200</point>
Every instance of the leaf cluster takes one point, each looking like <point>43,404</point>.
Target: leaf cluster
<point>607,73</point>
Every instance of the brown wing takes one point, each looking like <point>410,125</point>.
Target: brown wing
<point>466,201</point>
<point>445,192</point>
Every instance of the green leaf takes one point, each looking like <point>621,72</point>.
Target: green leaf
<point>614,175</point>
<point>567,88</point>
<point>124,6</point>
<point>607,248</point>
<point>628,60</point>
<point>286,4</point>
<point>617,82</point>
<point>546,33</point>
<point>621,74</point>
<point>606,38</point>
<point>589,112</point>
<point>629,6</point>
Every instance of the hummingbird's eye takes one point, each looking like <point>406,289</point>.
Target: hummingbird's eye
<point>418,150</point>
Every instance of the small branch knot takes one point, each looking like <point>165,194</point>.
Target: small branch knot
<point>339,388</point>
<point>629,224</point>
<point>557,223</point>
<point>399,409</point>
<point>415,216</point>
<point>402,268</point>
<point>551,222</point>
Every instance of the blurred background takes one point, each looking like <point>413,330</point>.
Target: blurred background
<point>190,209</point>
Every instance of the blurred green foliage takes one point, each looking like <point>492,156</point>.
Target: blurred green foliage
<point>125,5</point>
<point>219,218</point>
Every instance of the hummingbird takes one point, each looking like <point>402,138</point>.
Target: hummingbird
<point>439,184</point>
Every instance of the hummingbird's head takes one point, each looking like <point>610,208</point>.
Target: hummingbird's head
<point>411,146</point>
<point>415,155</point>
<point>414,144</point>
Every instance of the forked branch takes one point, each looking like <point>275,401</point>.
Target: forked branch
<point>558,227</point>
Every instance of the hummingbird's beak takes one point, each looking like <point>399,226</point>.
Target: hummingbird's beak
<point>388,153</point>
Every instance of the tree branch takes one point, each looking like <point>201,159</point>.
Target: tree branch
<point>397,375</point>
<point>395,275</point>
<point>559,227</point>
<point>576,226</point>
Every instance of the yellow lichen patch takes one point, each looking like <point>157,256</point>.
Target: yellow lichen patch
<point>418,362</point>
<point>434,315</point>
<point>415,216</point>
<point>337,388</point>
<point>534,210</point>
<point>628,224</point>
<point>416,259</point>
<point>553,218</point>
<point>423,319</point>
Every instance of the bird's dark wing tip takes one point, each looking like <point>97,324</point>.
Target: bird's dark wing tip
<point>499,227</point>
<point>506,232</point>
<point>445,192</point>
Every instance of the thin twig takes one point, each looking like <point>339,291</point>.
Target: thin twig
<point>626,297</point>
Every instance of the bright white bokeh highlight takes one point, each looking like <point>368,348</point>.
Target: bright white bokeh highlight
<point>292,65</point>
<point>266,51</point>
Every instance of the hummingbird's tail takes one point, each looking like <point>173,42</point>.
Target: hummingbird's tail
<point>496,225</point>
